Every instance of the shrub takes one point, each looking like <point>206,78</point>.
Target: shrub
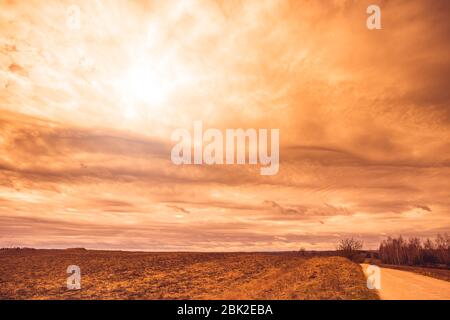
<point>349,248</point>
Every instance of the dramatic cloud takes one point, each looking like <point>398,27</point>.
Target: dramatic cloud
<point>90,93</point>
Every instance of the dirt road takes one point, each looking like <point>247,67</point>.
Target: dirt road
<point>404,285</point>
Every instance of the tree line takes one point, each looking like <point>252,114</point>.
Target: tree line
<point>414,251</point>
<point>401,251</point>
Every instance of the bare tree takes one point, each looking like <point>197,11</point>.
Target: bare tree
<point>302,251</point>
<point>443,248</point>
<point>416,252</point>
<point>349,247</point>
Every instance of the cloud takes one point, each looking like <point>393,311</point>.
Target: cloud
<point>85,127</point>
<point>281,209</point>
<point>425,208</point>
<point>179,209</point>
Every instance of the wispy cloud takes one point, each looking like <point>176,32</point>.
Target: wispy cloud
<point>86,116</point>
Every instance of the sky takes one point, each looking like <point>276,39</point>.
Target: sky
<point>90,92</point>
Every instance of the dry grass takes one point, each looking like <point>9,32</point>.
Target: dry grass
<point>41,274</point>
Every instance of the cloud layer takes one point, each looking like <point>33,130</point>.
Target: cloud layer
<point>86,116</point>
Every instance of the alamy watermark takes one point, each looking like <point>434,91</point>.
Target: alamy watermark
<point>73,19</point>
<point>374,20</point>
<point>74,280</point>
<point>234,146</point>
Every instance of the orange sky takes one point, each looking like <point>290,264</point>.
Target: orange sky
<point>86,116</point>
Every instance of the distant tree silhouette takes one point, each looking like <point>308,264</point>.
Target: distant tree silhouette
<point>415,252</point>
<point>302,252</point>
<point>349,247</point>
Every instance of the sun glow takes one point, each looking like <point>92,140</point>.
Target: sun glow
<point>145,84</point>
<point>149,83</point>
